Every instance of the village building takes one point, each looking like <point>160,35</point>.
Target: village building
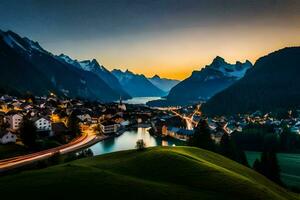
<point>121,105</point>
<point>42,123</point>
<point>109,127</point>
<point>14,121</point>
<point>84,117</point>
<point>178,133</point>
<point>8,137</point>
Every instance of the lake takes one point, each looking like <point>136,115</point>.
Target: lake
<point>140,100</point>
<point>128,140</point>
<point>289,165</point>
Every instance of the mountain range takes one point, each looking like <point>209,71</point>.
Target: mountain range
<point>94,67</point>
<point>27,67</point>
<point>271,84</point>
<point>204,84</point>
<point>137,85</point>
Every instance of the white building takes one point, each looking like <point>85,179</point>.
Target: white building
<point>14,121</point>
<point>84,117</point>
<point>109,127</point>
<point>42,124</point>
<point>8,138</point>
<point>122,106</point>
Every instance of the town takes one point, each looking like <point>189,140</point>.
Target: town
<point>58,122</point>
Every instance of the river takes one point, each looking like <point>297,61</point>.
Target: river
<point>289,166</point>
<point>128,140</point>
<point>140,100</point>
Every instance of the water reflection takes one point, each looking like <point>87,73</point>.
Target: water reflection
<point>164,143</point>
<point>128,141</point>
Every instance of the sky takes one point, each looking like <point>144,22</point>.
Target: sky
<point>170,38</point>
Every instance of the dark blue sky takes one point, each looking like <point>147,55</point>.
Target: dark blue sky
<point>149,35</point>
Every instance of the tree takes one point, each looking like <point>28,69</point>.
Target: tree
<point>28,133</point>
<point>4,126</point>
<point>73,125</point>
<point>257,166</point>
<point>202,137</point>
<point>229,149</point>
<point>243,158</point>
<point>268,166</point>
<point>140,145</point>
<point>85,153</point>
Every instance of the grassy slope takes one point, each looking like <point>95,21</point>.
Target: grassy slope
<point>156,173</point>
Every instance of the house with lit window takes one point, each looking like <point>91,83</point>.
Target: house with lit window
<point>42,123</point>
<point>84,118</point>
<point>14,121</point>
<point>109,127</point>
<point>178,133</point>
<point>7,137</point>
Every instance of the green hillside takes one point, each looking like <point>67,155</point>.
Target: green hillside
<point>156,173</point>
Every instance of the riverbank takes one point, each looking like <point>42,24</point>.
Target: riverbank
<point>140,100</point>
<point>127,141</point>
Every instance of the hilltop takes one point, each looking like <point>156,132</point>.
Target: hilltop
<point>156,173</point>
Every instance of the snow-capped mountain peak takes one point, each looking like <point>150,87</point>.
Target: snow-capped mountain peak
<point>33,45</point>
<point>24,44</point>
<point>11,41</point>
<point>236,70</point>
<point>90,65</point>
<point>66,58</point>
<point>87,65</point>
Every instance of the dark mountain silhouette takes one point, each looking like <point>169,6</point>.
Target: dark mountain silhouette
<point>99,70</point>
<point>272,84</point>
<point>203,84</point>
<point>164,84</point>
<point>137,85</point>
<point>27,67</point>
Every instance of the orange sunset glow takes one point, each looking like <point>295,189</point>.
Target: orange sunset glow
<point>163,38</point>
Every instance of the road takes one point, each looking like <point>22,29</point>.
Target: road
<point>189,120</point>
<point>86,139</point>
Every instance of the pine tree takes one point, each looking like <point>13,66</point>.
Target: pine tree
<point>229,149</point>
<point>202,137</point>
<point>243,158</point>
<point>28,133</point>
<point>73,125</point>
<point>257,166</point>
<point>268,166</point>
